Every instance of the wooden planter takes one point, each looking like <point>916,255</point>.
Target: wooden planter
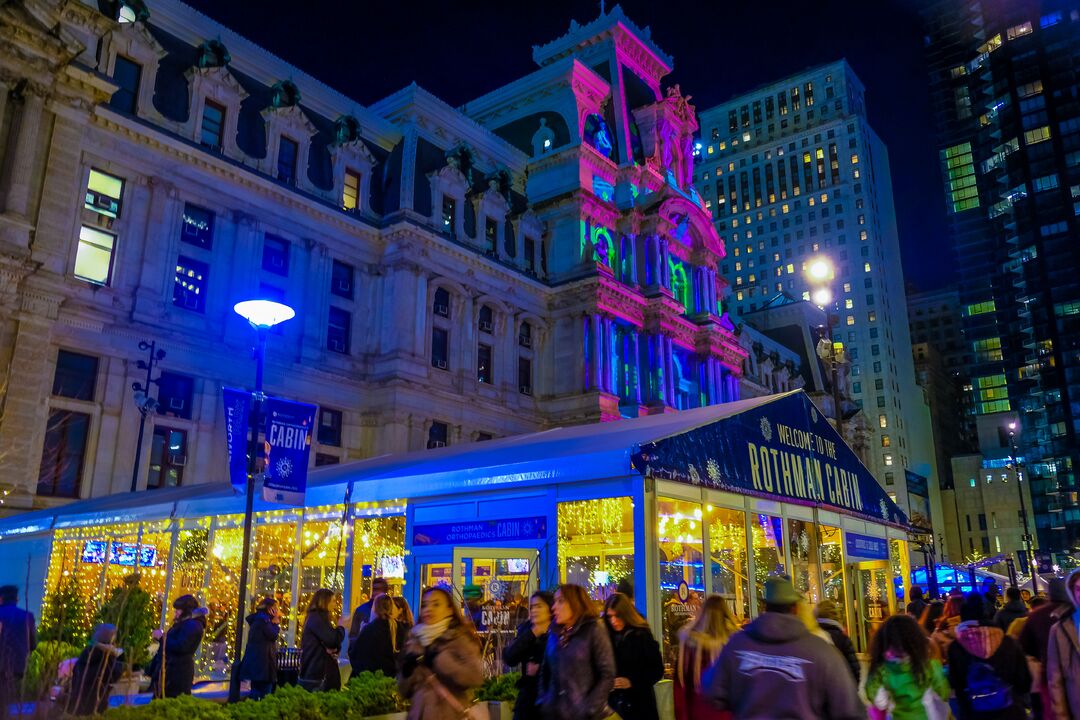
<point>500,710</point>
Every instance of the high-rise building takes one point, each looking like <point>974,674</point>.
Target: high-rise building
<point>1006,101</point>
<point>792,173</point>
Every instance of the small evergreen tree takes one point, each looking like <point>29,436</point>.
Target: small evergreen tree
<point>131,610</point>
<point>65,616</point>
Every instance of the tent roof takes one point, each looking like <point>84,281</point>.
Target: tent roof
<point>565,454</point>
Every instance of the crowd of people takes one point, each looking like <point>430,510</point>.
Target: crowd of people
<point>974,657</point>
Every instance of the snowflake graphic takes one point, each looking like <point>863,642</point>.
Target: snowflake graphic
<point>712,469</point>
<point>284,467</point>
<point>884,509</point>
<point>813,414</point>
<point>766,429</point>
<point>695,477</point>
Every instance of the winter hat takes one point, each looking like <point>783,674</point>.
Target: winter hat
<point>104,634</point>
<point>780,591</point>
<point>1057,591</point>
<point>826,610</point>
<point>186,604</point>
<point>973,609</point>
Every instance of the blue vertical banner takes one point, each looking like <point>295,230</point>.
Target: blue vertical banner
<point>288,442</point>
<point>237,410</point>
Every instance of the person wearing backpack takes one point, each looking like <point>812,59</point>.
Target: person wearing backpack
<point>987,668</point>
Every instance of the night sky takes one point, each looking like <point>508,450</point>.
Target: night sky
<point>461,50</point>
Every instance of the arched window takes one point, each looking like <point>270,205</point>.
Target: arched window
<point>441,305</point>
<point>680,285</point>
<point>525,336</point>
<point>486,322</point>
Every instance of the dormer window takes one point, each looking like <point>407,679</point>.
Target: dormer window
<point>288,151</point>
<point>486,323</point>
<point>126,74</point>
<point>212,129</point>
<point>350,194</point>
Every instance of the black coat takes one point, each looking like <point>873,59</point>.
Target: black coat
<point>319,647</point>
<point>175,658</point>
<point>1008,663</point>
<point>638,659</point>
<point>1013,610</point>
<point>360,617</point>
<point>260,654</point>
<point>373,649</point>
<point>577,673</point>
<point>18,636</point>
<point>843,643</point>
<point>526,648</point>
<point>95,671</point>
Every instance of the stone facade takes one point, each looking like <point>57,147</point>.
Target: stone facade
<point>535,258</point>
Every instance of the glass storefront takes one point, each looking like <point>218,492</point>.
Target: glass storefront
<point>768,547</point>
<point>596,543</point>
<point>728,558</point>
<point>679,533</point>
<point>805,561</point>
<point>831,554</point>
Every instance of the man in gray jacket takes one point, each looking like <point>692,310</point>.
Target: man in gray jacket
<point>777,670</point>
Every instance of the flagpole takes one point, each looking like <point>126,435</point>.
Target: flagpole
<point>341,536</point>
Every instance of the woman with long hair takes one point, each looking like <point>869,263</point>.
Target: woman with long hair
<point>639,664</point>
<point>945,632</point>
<point>405,622</point>
<point>442,665</point>
<point>527,650</point>
<point>931,615</point>
<point>904,678</point>
<point>700,643</point>
<point>320,645</point>
<point>578,671</point>
<point>376,648</point>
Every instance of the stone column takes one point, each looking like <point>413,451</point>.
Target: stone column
<point>636,355</point>
<point>664,274</point>
<point>710,380</point>
<point>669,370</point>
<point>23,149</point>
<point>655,274</point>
<point>596,351</point>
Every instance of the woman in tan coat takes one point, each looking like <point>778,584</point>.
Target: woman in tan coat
<point>441,667</point>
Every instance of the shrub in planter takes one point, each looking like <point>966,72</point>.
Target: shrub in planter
<point>374,694</point>
<point>501,688</point>
<point>42,665</point>
<point>290,702</point>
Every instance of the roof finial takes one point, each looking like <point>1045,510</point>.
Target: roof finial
<point>603,11</point>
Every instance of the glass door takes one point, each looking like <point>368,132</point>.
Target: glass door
<point>872,599</point>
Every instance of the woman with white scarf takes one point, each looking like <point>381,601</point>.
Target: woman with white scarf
<point>442,666</point>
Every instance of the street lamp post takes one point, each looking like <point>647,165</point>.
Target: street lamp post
<point>1033,565</point>
<point>820,273</point>
<point>143,401</point>
<point>262,315</point>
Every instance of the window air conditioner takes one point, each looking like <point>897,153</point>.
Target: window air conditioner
<point>442,310</point>
<point>526,389</point>
<point>178,460</point>
<point>441,364</point>
<point>485,327</point>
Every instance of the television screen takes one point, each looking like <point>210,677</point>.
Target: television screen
<point>121,553</point>
<point>517,566</point>
<point>392,567</point>
<point>94,551</point>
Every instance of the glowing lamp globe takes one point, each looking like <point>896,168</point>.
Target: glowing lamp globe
<point>822,297</point>
<point>820,270</point>
<point>264,313</point>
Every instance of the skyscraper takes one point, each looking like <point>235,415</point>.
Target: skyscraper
<point>793,173</point>
<point>1006,100</point>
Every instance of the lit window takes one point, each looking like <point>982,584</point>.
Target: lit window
<point>883,420</point>
<point>1037,135</point>
<point>866,267</point>
<point>103,194</point>
<point>847,287</point>
<point>350,194</point>
<point>871,316</point>
<point>888,459</point>
<point>197,226</point>
<point>1018,31</point>
<point>886,441</point>
<point>854,159</point>
<point>848,304</point>
<point>94,257</point>
<point>850,320</point>
<point>189,286</point>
